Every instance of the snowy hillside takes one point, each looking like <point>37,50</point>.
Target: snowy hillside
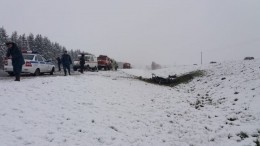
<point>112,108</point>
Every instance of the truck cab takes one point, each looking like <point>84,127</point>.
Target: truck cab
<point>104,62</point>
<point>127,66</point>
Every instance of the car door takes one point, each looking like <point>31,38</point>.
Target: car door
<point>46,65</point>
<point>42,64</point>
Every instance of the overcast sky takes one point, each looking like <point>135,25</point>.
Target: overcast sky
<point>141,31</point>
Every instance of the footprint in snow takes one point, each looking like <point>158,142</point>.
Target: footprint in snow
<point>19,138</point>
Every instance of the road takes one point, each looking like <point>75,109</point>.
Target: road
<point>5,76</point>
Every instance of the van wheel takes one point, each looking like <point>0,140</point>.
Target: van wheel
<point>37,72</point>
<point>95,69</point>
<point>88,68</point>
<point>52,71</point>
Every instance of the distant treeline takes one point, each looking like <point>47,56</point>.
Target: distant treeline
<point>38,43</point>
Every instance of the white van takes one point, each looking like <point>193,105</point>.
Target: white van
<point>90,63</point>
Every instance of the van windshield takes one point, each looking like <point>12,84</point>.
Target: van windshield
<point>87,58</point>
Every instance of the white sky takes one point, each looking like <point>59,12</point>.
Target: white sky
<point>141,31</point>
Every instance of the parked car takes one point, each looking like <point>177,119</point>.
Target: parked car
<point>126,65</point>
<point>90,63</point>
<point>35,64</point>
<point>104,62</point>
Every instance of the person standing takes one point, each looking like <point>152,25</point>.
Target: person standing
<point>59,62</point>
<point>17,59</point>
<point>66,62</point>
<point>116,65</point>
<point>82,62</point>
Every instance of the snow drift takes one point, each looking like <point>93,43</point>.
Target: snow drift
<point>113,108</point>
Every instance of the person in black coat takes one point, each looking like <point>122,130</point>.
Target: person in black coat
<point>17,59</point>
<point>59,62</point>
<point>82,62</point>
<point>66,62</point>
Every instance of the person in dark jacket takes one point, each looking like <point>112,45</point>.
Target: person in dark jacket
<point>82,62</point>
<point>59,62</point>
<point>17,59</point>
<point>66,62</point>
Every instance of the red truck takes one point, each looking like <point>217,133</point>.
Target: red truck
<point>126,65</point>
<point>104,62</point>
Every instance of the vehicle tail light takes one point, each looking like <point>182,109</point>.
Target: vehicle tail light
<point>28,64</point>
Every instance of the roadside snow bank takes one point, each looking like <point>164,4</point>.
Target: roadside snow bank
<point>229,96</point>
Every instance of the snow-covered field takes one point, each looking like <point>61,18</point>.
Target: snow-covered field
<point>112,108</point>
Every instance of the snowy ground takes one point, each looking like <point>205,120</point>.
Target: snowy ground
<point>111,108</point>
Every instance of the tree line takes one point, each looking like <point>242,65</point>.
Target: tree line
<point>38,43</point>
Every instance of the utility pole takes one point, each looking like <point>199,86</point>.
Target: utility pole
<point>201,57</point>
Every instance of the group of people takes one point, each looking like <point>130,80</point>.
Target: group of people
<point>66,61</point>
<point>18,60</point>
